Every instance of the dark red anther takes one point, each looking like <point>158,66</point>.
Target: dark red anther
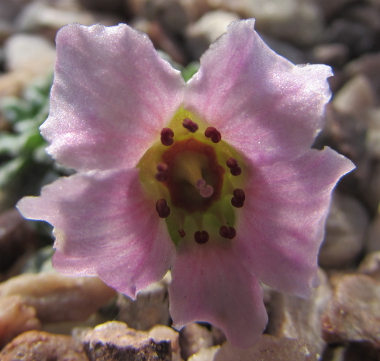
<point>181,233</point>
<point>214,134</point>
<point>167,136</point>
<point>190,125</point>
<point>162,167</point>
<point>232,163</point>
<point>227,232</point>
<point>235,171</point>
<point>238,198</point>
<point>162,208</point>
<point>162,175</point>
<point>201,237</point>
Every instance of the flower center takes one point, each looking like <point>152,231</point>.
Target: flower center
<point>196,180</point>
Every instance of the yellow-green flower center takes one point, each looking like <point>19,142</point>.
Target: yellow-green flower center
<point>196,178</point>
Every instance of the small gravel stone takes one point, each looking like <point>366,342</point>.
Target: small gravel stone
<point>207,29</point>
<point>370,265</point>
<point>346,229</point>
<point>356,35</point>
<point>298,21</point>
<point>205,354</point>
<point>150,308</point>
<point>57,297</point>
<point>193,338</point>
<point>29,53</point>
<point>43,346</point>
<point>335,55</point>
<point>285,49</point>
<point>346,134</point>
<point>6,30</point>
<point>173,15</point>
<point>368,65</point>
<point>355,97</point>
<point>26,57</point>
<point>218,335</point>
<point>298,318</point>
<point>353,313</point>
<point>373,238</point>
<point>114,341</point>
<point>269,348</point>
<point>332,7</point>
<point>373,133</point>
<point>10,9</point>
<point>164,333</point>
<point>16,238</point>
<point>15,318</point>
<point>40,15</point>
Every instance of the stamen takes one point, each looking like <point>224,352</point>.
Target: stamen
<point>167,136</point>
<point>190,125</point>
<point>162,175</point>
<point>162,208</point>
<point>238,198</point>
<point>232,163</point>
<point>162,167</point>
<point>227,232</point>
<point>182,233</point>
<point>214,134</point>
<point>235,171</point>
<point>201,237</point>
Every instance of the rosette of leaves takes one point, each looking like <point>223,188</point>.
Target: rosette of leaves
<point>24,164</point>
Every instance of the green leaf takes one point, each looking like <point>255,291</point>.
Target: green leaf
<point>9,169</point>
<point>190,70</point>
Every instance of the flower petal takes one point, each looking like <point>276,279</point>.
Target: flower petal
<point>111,97</point>
<point>263,105</point>
<point>210,284</point>
<point>281,225</point>
<point>104,225</point>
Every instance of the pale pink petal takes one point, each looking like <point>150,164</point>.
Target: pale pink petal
<point>263,105</point>
<point>104,225</point>
<point>111,97</point>
<point>210,284</point>
<point>281,225</point>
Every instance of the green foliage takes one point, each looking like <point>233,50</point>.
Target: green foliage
<point>190,70</point>
<point>21,157</point>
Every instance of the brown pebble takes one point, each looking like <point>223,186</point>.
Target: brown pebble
<point>15,318</point>
<point>194,337</point>
<point>16,238</point>
<point>353,313</point>
<point>43,346</point>
<point>57,297</point>
<point>113,341</point>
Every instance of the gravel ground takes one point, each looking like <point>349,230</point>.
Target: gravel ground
<point>45,316</point>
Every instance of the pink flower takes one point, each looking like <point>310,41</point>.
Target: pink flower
<point>214,179</point>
